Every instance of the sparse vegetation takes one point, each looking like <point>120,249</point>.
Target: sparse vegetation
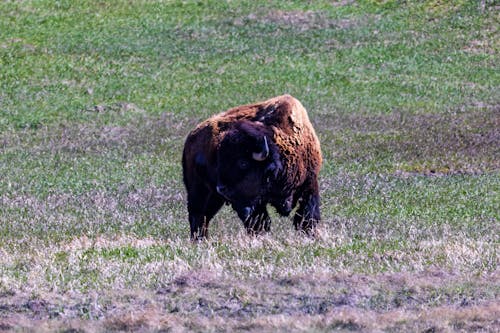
<point>96,99</point>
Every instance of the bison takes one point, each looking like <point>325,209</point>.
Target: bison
<point>251,156</point>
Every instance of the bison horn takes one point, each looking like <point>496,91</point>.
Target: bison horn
<point>262,155</point>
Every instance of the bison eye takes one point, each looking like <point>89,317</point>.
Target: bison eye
<point>243,164</point>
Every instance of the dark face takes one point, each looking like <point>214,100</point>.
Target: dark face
<point>244,170</point>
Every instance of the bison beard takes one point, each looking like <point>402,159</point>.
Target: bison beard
<point>251,156</point>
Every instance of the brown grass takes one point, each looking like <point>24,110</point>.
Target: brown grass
<point>428,144</point>
<point>200,300</point>
<point>141,134</point>
<point>304,20</point>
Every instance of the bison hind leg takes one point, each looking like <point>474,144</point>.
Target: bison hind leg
<point>258,222</point>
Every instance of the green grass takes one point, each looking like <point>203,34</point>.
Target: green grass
<point>96,99</point>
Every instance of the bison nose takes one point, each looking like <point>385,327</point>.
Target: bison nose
<point>246,213</point>
<point>221,189</point>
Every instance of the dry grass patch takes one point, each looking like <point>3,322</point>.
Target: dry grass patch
<point>304,20</point>
<point>61,216</point>
<point>128,261</point>
<point>341,3</point>
<point>486,46</point>
<point>204,301</point>
<point>142,133</point>
<point>461,143</point>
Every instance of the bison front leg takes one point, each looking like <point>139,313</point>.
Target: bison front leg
<point>308,214</point>
<point>202,206</point>
<point>258,221</point>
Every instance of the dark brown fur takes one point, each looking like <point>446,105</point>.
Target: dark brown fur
<point>218,168</point>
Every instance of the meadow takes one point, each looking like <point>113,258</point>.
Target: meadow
<point>97,97</point>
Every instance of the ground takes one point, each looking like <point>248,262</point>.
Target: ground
<point>97,98</point>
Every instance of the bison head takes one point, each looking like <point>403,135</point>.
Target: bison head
<point>247,163</point>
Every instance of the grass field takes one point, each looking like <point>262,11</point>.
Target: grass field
<point>96,98</point>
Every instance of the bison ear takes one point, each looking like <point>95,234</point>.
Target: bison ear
<point>263,152</point>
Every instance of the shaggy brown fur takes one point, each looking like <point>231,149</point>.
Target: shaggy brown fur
<point>287,177</point>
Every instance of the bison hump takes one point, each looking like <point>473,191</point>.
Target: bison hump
<point>283,113</point>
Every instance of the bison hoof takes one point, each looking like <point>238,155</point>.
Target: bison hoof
<point>308,228</point>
